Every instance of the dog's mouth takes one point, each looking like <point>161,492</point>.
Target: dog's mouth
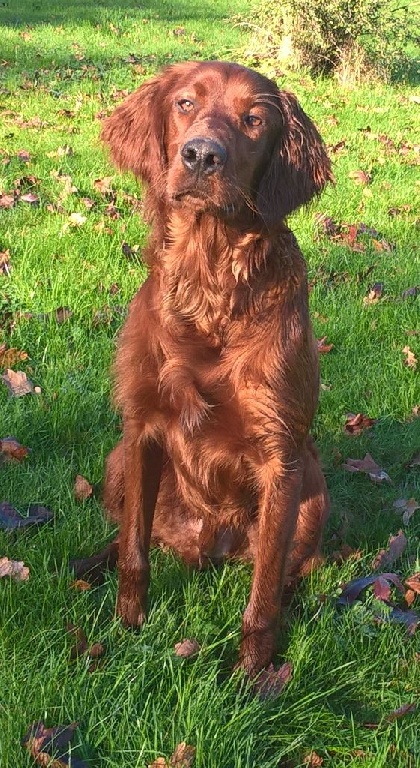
<point>199,201</point>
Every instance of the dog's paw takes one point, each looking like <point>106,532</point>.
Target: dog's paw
<point>130,610</point>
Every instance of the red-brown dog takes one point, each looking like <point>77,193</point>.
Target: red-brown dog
<point>217,370</point>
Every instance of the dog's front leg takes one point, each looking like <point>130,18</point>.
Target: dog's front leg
<point>277,517</point>
<point>142,472</point>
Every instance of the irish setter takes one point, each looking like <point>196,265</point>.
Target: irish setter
<point>216,369</point>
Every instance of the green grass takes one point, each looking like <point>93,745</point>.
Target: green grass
<point>143,701</point>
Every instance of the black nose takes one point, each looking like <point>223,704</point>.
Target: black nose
<point>203,156</point>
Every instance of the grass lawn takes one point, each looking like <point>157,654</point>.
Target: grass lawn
<point>63,66</point>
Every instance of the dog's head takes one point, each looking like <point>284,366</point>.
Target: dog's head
<point>213,136</point>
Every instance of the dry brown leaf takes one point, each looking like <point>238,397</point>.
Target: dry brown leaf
<point>11,356</point>
<point>82,488</point>
<point>357,422</point>
<point>375,294</point>
<point>407,507</point>
<point>323,348</point>
<point>413,583</point>
<point>359,177</point>
<point>160,762</point>
<point>77,220</point>
<point>14,568</point>
<point>17,383</point>
<point>313,760</point>
<point>369,466</point>
<point>5,262</point>
<point>81,585</point>
<point>187,648</point>
<point>411,360</point>
<point>104,186</point>
<point>29,197</point>
<point>7,201</point>
<point>12,450</point>
<point>183,756</point>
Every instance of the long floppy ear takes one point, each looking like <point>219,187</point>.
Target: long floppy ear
<point>299,167</point>
<point>135,132</point>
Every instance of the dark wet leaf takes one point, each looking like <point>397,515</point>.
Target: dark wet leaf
<point>11,520</point>
<point>353,589</point>
<point>50,746</point>
<point>405,709</point>
<point>271,681</point>
<point>411,292</point>
<point>387,557</point>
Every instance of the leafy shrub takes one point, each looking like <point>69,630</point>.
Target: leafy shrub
<point>326,35</point>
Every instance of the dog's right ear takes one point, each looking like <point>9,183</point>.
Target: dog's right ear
<point>135,133</point>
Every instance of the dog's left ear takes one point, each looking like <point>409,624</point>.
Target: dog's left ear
<point>299,168</point>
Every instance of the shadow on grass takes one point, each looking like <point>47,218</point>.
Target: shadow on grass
<point>17,14</point>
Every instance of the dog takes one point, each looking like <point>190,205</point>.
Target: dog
<point>217,369</point>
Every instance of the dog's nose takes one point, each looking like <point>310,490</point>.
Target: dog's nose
<point>203,156</point>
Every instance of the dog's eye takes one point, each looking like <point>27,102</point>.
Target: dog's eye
<point>252,121</point>
<point>185,105</point>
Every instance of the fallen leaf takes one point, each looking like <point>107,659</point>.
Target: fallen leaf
<point>12,450</point>
<point>271,681</point>
<point>62,314</point>
<point>10,356</point>
<point>409,618</point>
<point>96,651</point>
<point>407,507</point>
<point>7,201</point>
<point>313,760</point>
<point>405,709</point>
<point>80,644</point>
<point>104,186</point>
<point>352,590</point>
<point>183,756</point>
<point>50,746</point>
<point>360,177</point>
<point>411,360</point>
<point>387,557</point>
<point>10,519</point>
<point>357,422</point>
<point>82,488</point>
<point>77,220</point>
<point>30,198</point>
<point>17,383</point>
<point>5,261</point>
<point>346,552</point>
<point>187,648</point>
<point>14,568</point>
<point>81,585</point>
<point>375,294</point>
<point>411,292</point>
<point>323,348</point>
<point>128,251</point>
<point>413,582</point>
<point>369,466</point>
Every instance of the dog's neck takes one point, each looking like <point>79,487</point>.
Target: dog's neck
<point>212,272</point>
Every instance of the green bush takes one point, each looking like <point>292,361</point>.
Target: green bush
<point>326,35</point>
